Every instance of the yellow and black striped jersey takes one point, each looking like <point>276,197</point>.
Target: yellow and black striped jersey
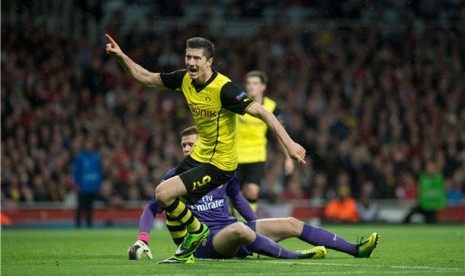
<point>214,106</point>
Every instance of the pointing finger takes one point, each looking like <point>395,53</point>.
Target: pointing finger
<point>110,38</point>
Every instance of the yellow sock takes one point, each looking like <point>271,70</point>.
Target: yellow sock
<point>177,231</point>
<point>179,212</point>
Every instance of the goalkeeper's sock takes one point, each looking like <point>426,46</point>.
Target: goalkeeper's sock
<point>265,246</point>
<point>143,237</point>
<point>320,236</point>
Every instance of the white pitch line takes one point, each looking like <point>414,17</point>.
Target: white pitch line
<point>386,272</point>
<point>402,267</point>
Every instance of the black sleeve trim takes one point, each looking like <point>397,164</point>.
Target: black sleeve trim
<point>234,99</point>
<point>173,80</point>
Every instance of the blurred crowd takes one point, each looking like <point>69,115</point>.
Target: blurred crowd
<point>371,104</point>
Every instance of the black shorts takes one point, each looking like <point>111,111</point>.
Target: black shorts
<point>200,178</point>
<point>250,173</point>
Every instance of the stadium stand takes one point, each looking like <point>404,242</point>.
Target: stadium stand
<point>371,90</point>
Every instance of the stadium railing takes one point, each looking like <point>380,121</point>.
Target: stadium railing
<point>49,214</point>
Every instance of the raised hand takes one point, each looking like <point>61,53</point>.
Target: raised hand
<point>112,47</point>
<point>136,71</point>
<point>297,152</point>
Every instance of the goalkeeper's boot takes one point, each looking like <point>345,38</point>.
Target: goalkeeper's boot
<point>191,242</point>
<point>317,252</point>
<point>137,249</point>
<point>365,247</point>
<point>177,260</point>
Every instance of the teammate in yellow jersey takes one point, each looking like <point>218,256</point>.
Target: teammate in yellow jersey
<point>214,102</point>
<point>252,140</point>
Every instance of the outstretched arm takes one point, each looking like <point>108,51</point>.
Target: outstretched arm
<point>136,71</point>
<point>295,150</point>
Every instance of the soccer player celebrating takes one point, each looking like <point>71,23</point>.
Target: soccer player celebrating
<point>252,140</point>
<point>214,102</point>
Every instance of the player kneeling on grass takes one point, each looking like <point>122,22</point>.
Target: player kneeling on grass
<point>229,238</point>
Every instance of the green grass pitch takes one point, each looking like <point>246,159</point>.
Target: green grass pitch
<point>408,250</point>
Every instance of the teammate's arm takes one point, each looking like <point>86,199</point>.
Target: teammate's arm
<point>295,150</point>
<point>136,71</point>
<point>288,161</point>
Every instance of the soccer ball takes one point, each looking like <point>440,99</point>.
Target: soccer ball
<point>136,251</point>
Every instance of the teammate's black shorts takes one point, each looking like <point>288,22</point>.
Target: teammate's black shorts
<point>250,173</point>
<point>200,178</point>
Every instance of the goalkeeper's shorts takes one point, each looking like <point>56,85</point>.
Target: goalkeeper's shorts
<point>206,250</point>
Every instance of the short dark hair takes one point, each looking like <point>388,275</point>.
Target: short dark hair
<point>189,131</point>
<point>259,74</point>
<point>201,43</point>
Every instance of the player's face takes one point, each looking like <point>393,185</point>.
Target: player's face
<point>187,143</point>
<point>198,66</point>
<point>254,86</point>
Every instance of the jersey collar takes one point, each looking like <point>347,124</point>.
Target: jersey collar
<point>199,87</point>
